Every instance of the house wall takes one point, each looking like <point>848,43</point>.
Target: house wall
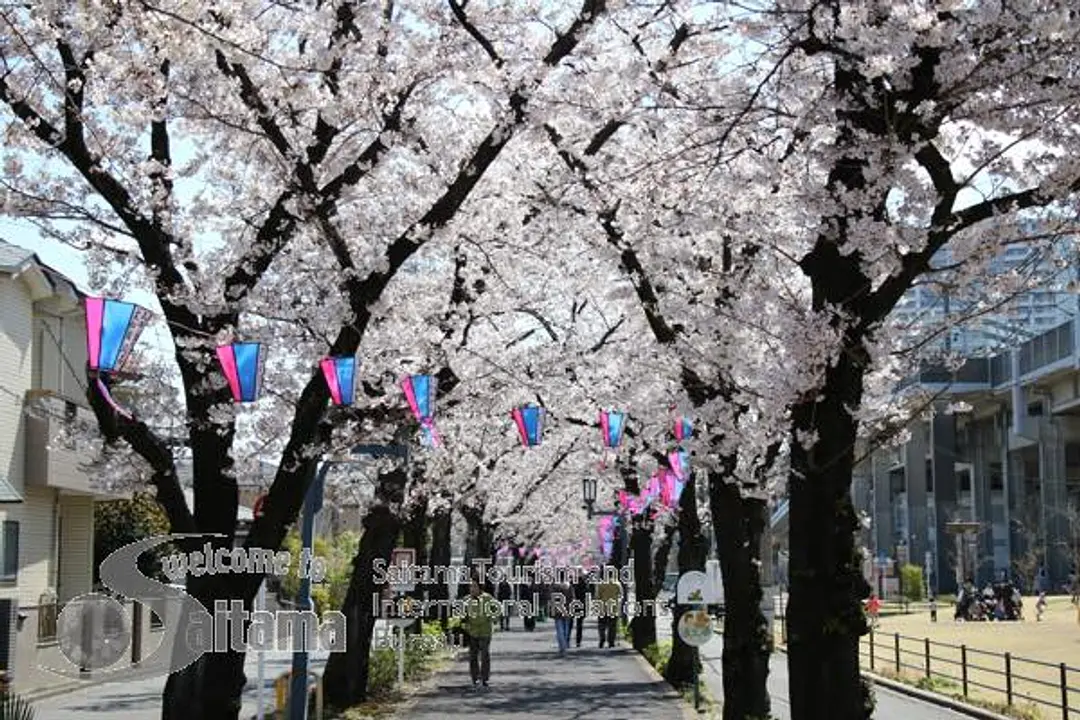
<point>16,363</point>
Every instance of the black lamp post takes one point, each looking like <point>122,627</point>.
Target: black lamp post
<point>588,497</point>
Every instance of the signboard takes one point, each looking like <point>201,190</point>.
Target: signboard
<point>403,558</point>
<point>701,588</point>
<point>695,628</point>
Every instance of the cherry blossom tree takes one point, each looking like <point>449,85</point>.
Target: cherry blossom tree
<point>219,154</point>
<point>874,136</point>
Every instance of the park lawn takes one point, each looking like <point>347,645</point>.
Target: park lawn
<point>1053,641</point>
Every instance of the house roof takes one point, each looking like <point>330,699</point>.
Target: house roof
<point>8,493</point>
<point>13,257</point>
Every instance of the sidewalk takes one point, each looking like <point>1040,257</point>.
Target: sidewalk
<point>141,699</point>
<point>890,705</point>
<point>528,680</point>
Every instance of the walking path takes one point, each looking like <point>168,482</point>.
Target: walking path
<point>529,680</point>
<point>891,705</point>
<point>141,699</point>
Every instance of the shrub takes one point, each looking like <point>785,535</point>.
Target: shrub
<point>911,576</point>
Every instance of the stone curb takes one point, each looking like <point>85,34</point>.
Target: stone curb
<point>935,698</point>
<point>687,709</point>
<point>926,696</point>
<point>33,696</point>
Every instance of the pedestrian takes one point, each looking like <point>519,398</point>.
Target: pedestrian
<point>873,608</point>
<point>560,595</point>
<point>933,609</point>
<point>581,594</point>
<point>609,594</point>
<point>504,594</point>
<point>1040,606</point>
<point>481,611</point>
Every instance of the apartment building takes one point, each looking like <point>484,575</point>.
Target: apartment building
<point>46,498</point>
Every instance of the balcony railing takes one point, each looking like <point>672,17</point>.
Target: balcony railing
<point>1042,350</point>
<point>52,459</point>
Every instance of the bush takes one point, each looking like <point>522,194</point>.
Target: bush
<point>420,652</point>
<point>338,555</point>
<point>911,577</point>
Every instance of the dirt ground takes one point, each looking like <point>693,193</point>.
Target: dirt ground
<point>1037,650</point>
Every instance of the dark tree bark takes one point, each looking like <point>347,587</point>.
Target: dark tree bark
<point>345,679</point>
<point>692,554</point>
<point>643,625</point>
<point>662,557</point>
<point>439,590</point>
<point>739,524</point>
<point>414,535</point>
<point>824,614</point>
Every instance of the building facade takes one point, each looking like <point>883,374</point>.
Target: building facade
<point>46,498</point>
<point>1003,474</point>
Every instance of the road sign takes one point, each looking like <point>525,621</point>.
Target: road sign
<point>695,628</point>
<point>701,588</point>
<point>403,558</point>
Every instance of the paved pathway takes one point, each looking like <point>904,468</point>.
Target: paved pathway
<point>529,680</point>
<point>141,699</point>
<point>891,705</point>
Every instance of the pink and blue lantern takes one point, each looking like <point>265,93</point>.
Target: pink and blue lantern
<point>420,393</point>
<point>112,328</point>
<point>684,429</point>
<point>529,420</point>
<point>679,460</point>
<point>242,364</point>
<point>612,425</point>
<point>672,489</point>
<point>341,379</point>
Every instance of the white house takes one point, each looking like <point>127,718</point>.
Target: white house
<point>46,500</point>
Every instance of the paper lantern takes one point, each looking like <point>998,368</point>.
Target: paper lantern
<point>112,329</point>
<point>242,364</point>
<point>679,460</point>
<point>341,379</point>
<point>684,429</point>
<point>530,424</point>
<point>612,425</point>
<point>420,393</point>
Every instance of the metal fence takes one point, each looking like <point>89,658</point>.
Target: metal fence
<point>990,676</point>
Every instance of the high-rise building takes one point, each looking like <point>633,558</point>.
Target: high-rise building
<point>1047,270</point>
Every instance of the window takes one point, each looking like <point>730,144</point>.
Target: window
<point>10,548</point>
<point>997,477</point>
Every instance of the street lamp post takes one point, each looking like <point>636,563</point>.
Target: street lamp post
<point>588,497</point>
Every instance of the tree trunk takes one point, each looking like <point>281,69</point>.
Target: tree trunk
<point>824,613</point>
<point>439,592</point>
<point>414,535</point>
<point>345,680</point>
<point>643,625</point>
<point>211,686</point>
<point>692,554</point>
<point>661,558</point>
<point>739,524</point>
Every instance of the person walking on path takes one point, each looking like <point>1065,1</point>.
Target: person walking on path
<point>559,608</point>
<point>581,594</point>
<point>481,611</point>
<point>504,594</point>
<point>609,593</point>
<point>873,608</point>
